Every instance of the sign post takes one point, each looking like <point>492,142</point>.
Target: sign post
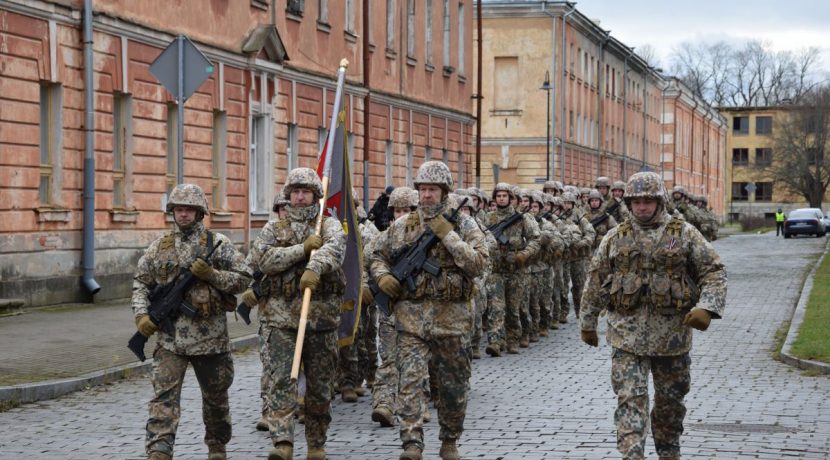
<point>181,68</point>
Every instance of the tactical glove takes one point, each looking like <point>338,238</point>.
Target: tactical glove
<point>589,337</point>
<point>440,226</point>
<point>390,286</point>
<point>311,243</point>
<point>145,326</point>
<point>310,280</point>
<point>698,318</point>
<point>250,298</point>
<point>202,270</point>
<point>518,258</point>
<point>367,297</point>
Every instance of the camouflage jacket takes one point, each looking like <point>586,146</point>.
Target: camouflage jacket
<point>601,228</point>
<point>618,212</point>
<point>523,236</point>
<point>278,252</point>
<point>161,263</point>
<point>551,246</point>
<point>648,279</point>
<point>439,305</point>
<point>570,234</point>
<point>582,246</point>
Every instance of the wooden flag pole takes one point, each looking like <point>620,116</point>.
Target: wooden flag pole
<point>318,229</point>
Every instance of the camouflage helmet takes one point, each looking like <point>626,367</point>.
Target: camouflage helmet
<point>305,178</point>
<point>618,185</point>
<point>645,185</point>
<point>704,199</point>
<point>503,187</point>
<point>516,190</point>
<point>279,202</point>
<point>476,192</point>
<point>584,191</point>
<point>434,172</point>
<point>403,197</point>
<point>548,198</point>
<point>602,181</point>
<point>537,196</point>
<point>187,195</point>
<point>679,189</point>
<point>570,188</point>
<point>568,197</point>
<point>523,193</point>
<point>550,185</point>
<point>454,199</point>
<point>595,195</point>
<point>557,201</point>
<point>558,185</point>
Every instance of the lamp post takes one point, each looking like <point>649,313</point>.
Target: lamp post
<point>546,87</point>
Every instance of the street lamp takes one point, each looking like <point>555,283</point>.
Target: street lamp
<point>546,87</point>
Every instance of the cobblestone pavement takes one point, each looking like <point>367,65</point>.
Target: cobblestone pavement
<point>552,401</point>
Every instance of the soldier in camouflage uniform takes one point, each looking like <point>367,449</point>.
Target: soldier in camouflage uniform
<point>480,298</point>
<point>570,235</point>
<point>540,286</point>
<point>598,217</point>
<point>294,258</point>
<point>402,201</point>
<point>202,341</point>
<point>433,320</point>
<point>583,198</point>
<point>658,278</point>
<point>615,205</point>
<point>509,269</point>
<point>680,203</point>
<point>575,269</point>
<point>710,227</point>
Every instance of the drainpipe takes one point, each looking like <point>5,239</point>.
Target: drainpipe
<point>625,113</point>
<point>562,93</point>
<point>600,98</point>
<point>367,100</point>
<point>552,94</point>
<point>88,280</point>
<point>479,97</point>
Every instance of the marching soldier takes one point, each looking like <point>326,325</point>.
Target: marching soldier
<point>434,320</point>
<point>615,205</point>
<point>551,246</point>
<point>201,341</point>
<point>575,269</point>
<point>658,278</point>
<point>294,258</point>
<point>598,217</point>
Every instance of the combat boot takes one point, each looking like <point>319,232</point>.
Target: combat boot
<point>524,342</point>
<point>670,457</point>
<point>156,455</point>
<point>216,452</point>
<point>449,451</point>
<point>262,424</point>
<point>493,350</point>
<point>534,338</point>
<point>370,382</point>
<point>348,394</point>
<point>476,353</point>
<point>553,325</point>
<point>513,349</point>
<point>411,452</point>
<point>543,332</point>
<point>316,453</point>
<point>360,391</point>
<point>383,416</point>
<point>282,451</point>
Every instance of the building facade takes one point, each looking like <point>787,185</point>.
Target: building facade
<point>264,109</point>
<point>604,111</point>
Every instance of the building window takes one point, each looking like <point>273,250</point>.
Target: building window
<point>122,134</point>
<point>461,41</point>
<point>460,170</point>
<point>505,83</point>
<point>260,178</point>
<point>295,7</point>
<point>428,34</point>
<point>410,29</point>
<point>571,125</point>
<point>739,191</point>
<point>51,143</point>
<point>763,157</point>
<point>409,163</point>
<point>814,157</point>
<point>763,191</point>
<point>322,133</point>
<point>447,34</point>
<point>390,25</point>
<point>445,156</point>
<point>740,125</point>
<point>219,159</point>
<point>172,145</point>
<point>389,162</point>
<point>428,153</point>
<point>763,125</point>
<point>350,15</point>
<point>323,12</point>
<point>293,145</point>
<point>740,157</point>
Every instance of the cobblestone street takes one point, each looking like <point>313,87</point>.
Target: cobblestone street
<point>552,401</point>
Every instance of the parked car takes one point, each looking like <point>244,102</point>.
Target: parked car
<point>805,221</point>
<point>827,221</point>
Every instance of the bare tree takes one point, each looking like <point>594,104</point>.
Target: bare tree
<point>649,54</point>
<point>801,162</point>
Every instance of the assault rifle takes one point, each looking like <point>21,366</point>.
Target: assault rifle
<point>243,309</point>
<point>498,229</point>
<point>409,261</point>
<point>166,304</point>
<point>600,219</point>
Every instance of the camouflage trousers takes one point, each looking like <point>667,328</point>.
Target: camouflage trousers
<point>452,369</point>
<point>545,288</point>
<point>536,293</point>
<point>557,290</point>
<point>214,374</point>
<point>515,300</point>
<point>367,356</point>
<point>479,305</point>
<point>575,272</point>
<point>385,389</point>
<point>565,291</point>
<point>494,311</point>
<point>629,379</point>
<point>264,357</point>
<point>524,286</point>
<point>319,362</point>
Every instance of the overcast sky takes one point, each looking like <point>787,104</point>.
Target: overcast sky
<point>786,25</point>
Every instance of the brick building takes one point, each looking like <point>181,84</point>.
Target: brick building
<point>264,109</point>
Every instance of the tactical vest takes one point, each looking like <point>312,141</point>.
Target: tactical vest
<point>286,284</point>
<point>451,284</point>
<point>658,280</point>
<point>516,241</point>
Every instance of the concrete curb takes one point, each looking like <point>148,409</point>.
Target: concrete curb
<point>50,389</point>
<point>795,324</point>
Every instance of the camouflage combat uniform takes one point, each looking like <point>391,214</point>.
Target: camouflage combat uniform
<point>575,269</point>
<point>649,276</point>
<point>201,342</point>
<point>433,320</point>
<point>278,252</point>
<point>600,219</point>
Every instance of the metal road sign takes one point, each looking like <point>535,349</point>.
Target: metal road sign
<point>750,187</point>
<point>181,68</point>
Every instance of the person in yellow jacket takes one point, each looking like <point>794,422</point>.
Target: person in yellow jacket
<point>779,222</point>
